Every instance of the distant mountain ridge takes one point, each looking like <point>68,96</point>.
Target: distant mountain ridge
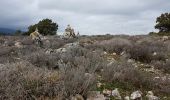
<point>7,31</point>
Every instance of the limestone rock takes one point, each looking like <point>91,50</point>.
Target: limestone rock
<point>88,75</point>
<point>127,98</point>
<point>114,54</point>
<point>116,94</point>
<point>18,44</point>
<point>105,53</point>
<point>60,50</point>
<point>154,54</point>
<point>95,95</point>
<point>137,95</point>
<point>77,97</point>
<point>130,61</point>
<point>107,92</point>
<point>99,85</point>
<point>70,45</point>
<point>164,38</point>
<point>151,96</point>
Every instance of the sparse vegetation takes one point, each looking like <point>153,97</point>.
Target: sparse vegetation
<point>65,68</point>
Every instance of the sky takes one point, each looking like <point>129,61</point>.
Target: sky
<point>90,17</point>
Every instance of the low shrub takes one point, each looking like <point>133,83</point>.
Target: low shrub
<point>117,45</point>
<point>144,51</point>
<point>76,81</point>
<point>124,72</point>
<point>23,81</point>
<point>166,67</point>
<point>141,53</point>
<point>41,59</point>
<point>27,41</point>
<point>90,60</point>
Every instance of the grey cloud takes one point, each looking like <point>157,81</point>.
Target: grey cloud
<point>104,6</point>
<point>87,16</point>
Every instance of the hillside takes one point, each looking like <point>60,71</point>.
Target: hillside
<point>102,67</point>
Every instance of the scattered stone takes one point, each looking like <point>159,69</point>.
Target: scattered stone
<point>110,63</point>
<point>99,85</point>
<point>164,97</point>
<point>107,92</point>
<point>18,44</point>
<point>127,98</point>
<point>95,95</point>
<point>150,93</point>
<point>157,77</point>
<point>152,70</point>
<point>164,78</point>
<point>99,76</point>
<point>136,65</point>
<point>60,50</point>
<point>70,45</point>
<point>114,54</point>
<point>151,96</point>
<point>105,52</point>
<point>8,43</point>
<point>49,51</point>
<point>154,54</point>
<point>130,61</point>
<point>43,38</point>
<point>137,95</point>
<point>77,97</point>
<point>123,53</point>
<point>164,38</point>
<point>88,75</point>
<point>116,94</point>
<point>142,64</point>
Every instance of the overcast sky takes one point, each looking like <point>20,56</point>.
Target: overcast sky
<point>86,16</point>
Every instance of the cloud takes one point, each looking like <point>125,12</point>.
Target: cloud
<point>86,16</point>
